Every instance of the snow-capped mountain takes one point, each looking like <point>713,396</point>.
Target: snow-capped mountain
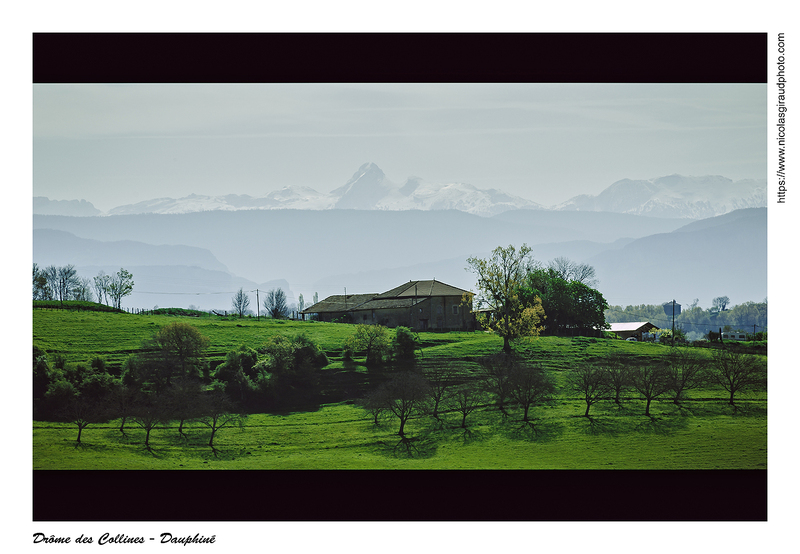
<point>674,196</point>
<point>367,189</point>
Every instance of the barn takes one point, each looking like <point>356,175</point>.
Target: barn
<point>420,305</point>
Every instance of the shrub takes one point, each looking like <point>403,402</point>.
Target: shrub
<point>404,345</point>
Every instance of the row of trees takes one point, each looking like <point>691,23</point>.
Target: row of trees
<point>518,296</point>
<point>275,304</point>
<point>63,284</point>
<point>509,382</point>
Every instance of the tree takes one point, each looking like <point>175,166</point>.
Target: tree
<point>496,371</point>
<point>217,413</point>
<point>440,383</point>
<point>301,303</point>
<point>176,349</point>
<point>591,382</point>
<point>529,385</point>
<point>467,398</point>
<point>736,372</point>
<point>82,291</point>
<point>685,371</point>
<point>720,303</point>
<point>148,412</point>
<point>240,302</point>
<point>182,400</point>
<point>41,290</point>
<point>120,285</point>
<point>404,397</point>
<point>404,345</point>
<point>499,280</point>
<point>275,304</point>
<point>569,271</point>
<point>102,284</point>
<point>66,280</point>
<point>373,340</point>
<point>651,381</point>
<point>618,376</point>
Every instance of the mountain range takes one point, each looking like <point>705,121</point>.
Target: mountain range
<point>673,196</point>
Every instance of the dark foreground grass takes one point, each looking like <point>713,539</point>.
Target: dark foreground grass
<point>700,435</point>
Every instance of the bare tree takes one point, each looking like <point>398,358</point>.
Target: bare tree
<point>217,413</point>
<point>82,290</point>
<point>736,372</point>
<point>651,381</point>
<point>440,384</point>
<point>66,280</point>
<point>685,371</point>
<point>149,412</point>
<point>618,376</point>
<point>275,304</point>
<point>102,283</point>
<point>591,382</point>
<point>467,398</point>
<point>496,371</point>
<point>529,386</point>
<point>240,302</point>
<point>404,397</point>
<point>573,271</point>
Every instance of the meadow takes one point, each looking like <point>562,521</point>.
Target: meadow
<point>703,432</point>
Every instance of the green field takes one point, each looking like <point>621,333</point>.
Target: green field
<point>703,433</point>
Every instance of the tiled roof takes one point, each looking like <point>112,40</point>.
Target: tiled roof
<point>422,288</point>
<point>399,297</point>
<point>338,303</point>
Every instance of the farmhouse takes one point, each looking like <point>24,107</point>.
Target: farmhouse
<point>633,329</point>
<point>419,305</point>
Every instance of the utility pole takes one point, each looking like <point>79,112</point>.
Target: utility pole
<point>673,322</point>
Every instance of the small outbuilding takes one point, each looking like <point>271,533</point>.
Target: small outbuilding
<point>634,329</point>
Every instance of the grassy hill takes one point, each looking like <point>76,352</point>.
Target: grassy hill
<point>703,432</point>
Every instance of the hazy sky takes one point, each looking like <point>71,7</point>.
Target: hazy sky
<point>119,144</point>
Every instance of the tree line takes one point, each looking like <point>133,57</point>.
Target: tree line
<point>63,284</point>
<point>696,323</point>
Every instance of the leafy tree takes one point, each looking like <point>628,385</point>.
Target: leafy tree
<point>720,303</point>
<point>240,302</point>
<point>499,280</point>
<point>404,397</point>
<point>301,303</point>
<point>238,372</point>
<point>651,381</point>
<point>591,382</point>
<point>178,348</point>
<point>374,340</point>
<point>290,373</point>
<point>570,305</point>
<point>275,304</point>
<point>404,345</point>
<point>736,372</point>
<point>182,400</point>
<point>120,285</point>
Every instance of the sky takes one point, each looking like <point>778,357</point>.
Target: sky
<point>119,144</point>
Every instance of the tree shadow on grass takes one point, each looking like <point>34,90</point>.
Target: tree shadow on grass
<point>420,446</point>
<point>594,425</point>
<point>662,424</point>
<point>534,430</point>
